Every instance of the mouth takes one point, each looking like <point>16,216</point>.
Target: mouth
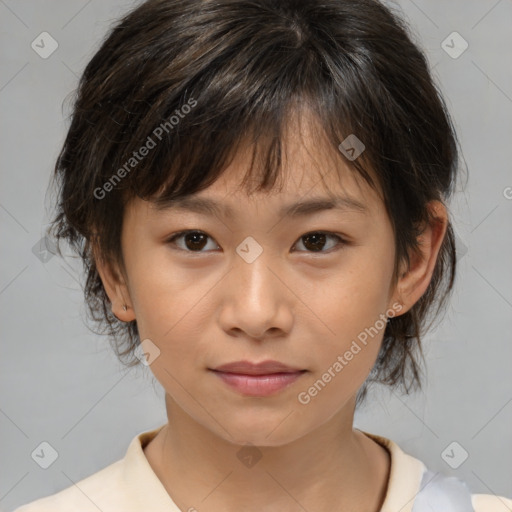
<point>257,380</point>
<point>268,367</point>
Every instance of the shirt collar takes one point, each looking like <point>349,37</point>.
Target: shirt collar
<point>404,476</point>
<point>147,490</point>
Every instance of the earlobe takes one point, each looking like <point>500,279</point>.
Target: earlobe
<point>414,281</point>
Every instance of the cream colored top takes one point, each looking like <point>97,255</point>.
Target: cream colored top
<point>130,485</point>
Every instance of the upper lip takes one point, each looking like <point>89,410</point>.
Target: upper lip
<point>262,368</point>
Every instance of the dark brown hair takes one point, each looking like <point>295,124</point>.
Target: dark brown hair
<point>199,77</point>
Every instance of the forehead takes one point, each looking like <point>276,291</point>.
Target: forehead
<point>303,192</point>
<point>312,175</point>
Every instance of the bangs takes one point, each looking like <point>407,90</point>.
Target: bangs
<point>194,97</point>
<point>264,142</point>
<point>197,152</point>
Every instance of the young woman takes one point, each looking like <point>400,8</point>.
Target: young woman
<point>258,190</point>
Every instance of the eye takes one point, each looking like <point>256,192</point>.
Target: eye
<point>316,240</point>
<point>195,241</point>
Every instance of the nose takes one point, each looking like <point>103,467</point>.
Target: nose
<point>255,300</point>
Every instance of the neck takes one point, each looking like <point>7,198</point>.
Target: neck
<point>332,467</point>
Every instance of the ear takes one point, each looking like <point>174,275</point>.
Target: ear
<point>115,286</point>
<point>414,281</point>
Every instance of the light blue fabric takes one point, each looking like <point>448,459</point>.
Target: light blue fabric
<point>439,493</point>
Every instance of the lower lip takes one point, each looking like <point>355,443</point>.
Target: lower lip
<point>258,385</point>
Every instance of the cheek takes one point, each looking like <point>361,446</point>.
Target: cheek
<point>167,298</point>
<point>353,306</point>
<point>355,299</point>
<point>343,362</point>
<point>181,366</point>
<point>175,314</point>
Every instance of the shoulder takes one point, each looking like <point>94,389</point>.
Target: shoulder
<point>412,487</point>
<point>491,503</point>
<point>128,484</point>
<point>83,495</point>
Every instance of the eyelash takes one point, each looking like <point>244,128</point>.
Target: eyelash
<point>341,241</point>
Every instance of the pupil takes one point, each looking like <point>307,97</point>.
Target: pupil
<point>318,241</point>
<point>196,242</point>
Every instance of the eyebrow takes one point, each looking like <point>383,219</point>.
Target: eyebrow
<point>207,206</point>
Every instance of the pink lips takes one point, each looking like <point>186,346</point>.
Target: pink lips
<point>258,379</point>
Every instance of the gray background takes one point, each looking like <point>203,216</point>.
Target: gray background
<point>61,384</point>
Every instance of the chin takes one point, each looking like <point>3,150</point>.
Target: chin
<point>262,434</point>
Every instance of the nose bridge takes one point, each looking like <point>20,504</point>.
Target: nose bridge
<point>256,298</point>
<point>254,281</point>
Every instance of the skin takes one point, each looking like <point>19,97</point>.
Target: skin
<point>291,304</point>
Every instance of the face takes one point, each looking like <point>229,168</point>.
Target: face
<point>310,290</point>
